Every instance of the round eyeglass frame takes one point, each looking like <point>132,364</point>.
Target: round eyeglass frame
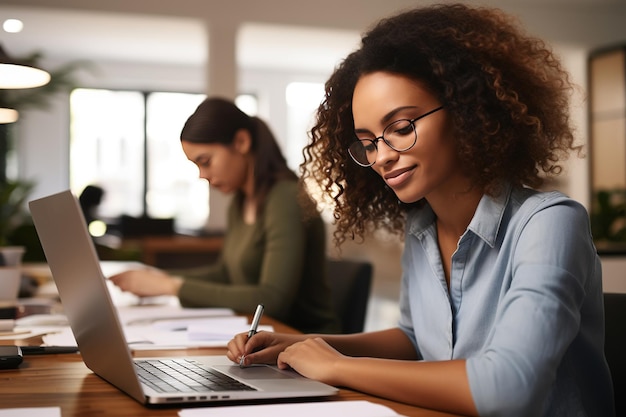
<point>374,141</point>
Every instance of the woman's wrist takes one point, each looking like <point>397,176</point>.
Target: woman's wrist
<point>177,282</point>
<point>342,371</point>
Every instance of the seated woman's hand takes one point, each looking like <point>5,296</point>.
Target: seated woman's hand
<point>263,347</point>
<point>313,358</point>
<point>147,282</point>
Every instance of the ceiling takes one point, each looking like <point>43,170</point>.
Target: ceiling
<point>88,35</point>
<point>285,33</point>
<point>104,36</point>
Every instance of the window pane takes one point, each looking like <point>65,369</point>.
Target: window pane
<point>106,148</point>
<point>173,186</point>
<point>302,98</point>
<point>114,132</point>
<point>248,103</point>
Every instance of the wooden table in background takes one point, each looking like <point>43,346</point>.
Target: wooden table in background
<point>177,251</point>
<point>64,381</point>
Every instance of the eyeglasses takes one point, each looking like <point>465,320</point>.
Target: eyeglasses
<point>399,136</point>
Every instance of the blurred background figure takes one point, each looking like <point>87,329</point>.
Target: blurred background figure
<point>90,198</point>
<point>275,244</point>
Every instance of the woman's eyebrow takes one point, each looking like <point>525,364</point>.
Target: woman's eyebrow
<point>387,117</point>
<point>201,158</point>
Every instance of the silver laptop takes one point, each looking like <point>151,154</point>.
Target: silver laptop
<point>86,301</point>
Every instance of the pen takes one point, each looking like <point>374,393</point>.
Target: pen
<point>49,350</point>
<point>255,320</point>
<point>253,327</point>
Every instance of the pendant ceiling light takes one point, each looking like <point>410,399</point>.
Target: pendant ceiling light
<point>17,75</point>
<point>8,115</point>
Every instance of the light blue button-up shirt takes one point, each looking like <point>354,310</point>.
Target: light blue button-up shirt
<point>524,306</point>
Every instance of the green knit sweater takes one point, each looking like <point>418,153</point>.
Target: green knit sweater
<point>278,261</point>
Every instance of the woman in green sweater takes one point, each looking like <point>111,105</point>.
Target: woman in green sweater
<point>274,249</point>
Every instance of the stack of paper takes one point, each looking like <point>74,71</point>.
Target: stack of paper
<point>159,333</point>
<point>147,314</point>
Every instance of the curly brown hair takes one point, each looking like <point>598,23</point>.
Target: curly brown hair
<point>506,93</point>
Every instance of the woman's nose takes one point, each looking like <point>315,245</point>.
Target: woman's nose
<point>385,153</point>
<point>204,174</point>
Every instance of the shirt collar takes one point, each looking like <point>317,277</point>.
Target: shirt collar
<point>485,223</point>
<point>489,213</point>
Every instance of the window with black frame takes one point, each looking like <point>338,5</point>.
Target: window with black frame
<point>127,143</point>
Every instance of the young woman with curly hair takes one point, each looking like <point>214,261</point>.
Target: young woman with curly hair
<point>441,126</point>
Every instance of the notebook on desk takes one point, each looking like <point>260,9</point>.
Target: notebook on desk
<point>86,301</point>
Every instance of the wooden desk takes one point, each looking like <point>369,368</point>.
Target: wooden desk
<point>64,381</point>
<point>177,251</point>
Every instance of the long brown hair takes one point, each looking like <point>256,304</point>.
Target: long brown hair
<point>216,120</point>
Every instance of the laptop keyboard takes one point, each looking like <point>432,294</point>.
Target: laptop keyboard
<point>182,375</point>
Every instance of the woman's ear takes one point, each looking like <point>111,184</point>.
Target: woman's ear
<point>242,142</point>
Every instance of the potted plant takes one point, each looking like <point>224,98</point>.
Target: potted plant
<point>608,220</point>
<point>13,196</point>
<point>15,224</point>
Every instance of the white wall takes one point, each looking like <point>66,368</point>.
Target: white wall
<point>614,273</point>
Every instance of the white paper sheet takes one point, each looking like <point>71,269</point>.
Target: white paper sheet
<point>327,408</point>
<point>149,337</point>
<point>147,314</point>
<point>20,333</point>
<point>174,334</point>
<point>31,411</point>
<point>7,325</point>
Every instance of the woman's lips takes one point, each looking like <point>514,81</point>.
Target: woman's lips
<point>399,176</point>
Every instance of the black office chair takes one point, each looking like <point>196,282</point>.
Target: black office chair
<point>133,227</point>
<point>615,346</point>
<point>350,283</point>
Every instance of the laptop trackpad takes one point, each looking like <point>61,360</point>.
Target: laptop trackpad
<point>255,372</point>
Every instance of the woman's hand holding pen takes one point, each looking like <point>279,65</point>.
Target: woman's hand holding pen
<point>263,347</point>
<point>306,355</point>
<point>245,345</point>
<point>312,357</point>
